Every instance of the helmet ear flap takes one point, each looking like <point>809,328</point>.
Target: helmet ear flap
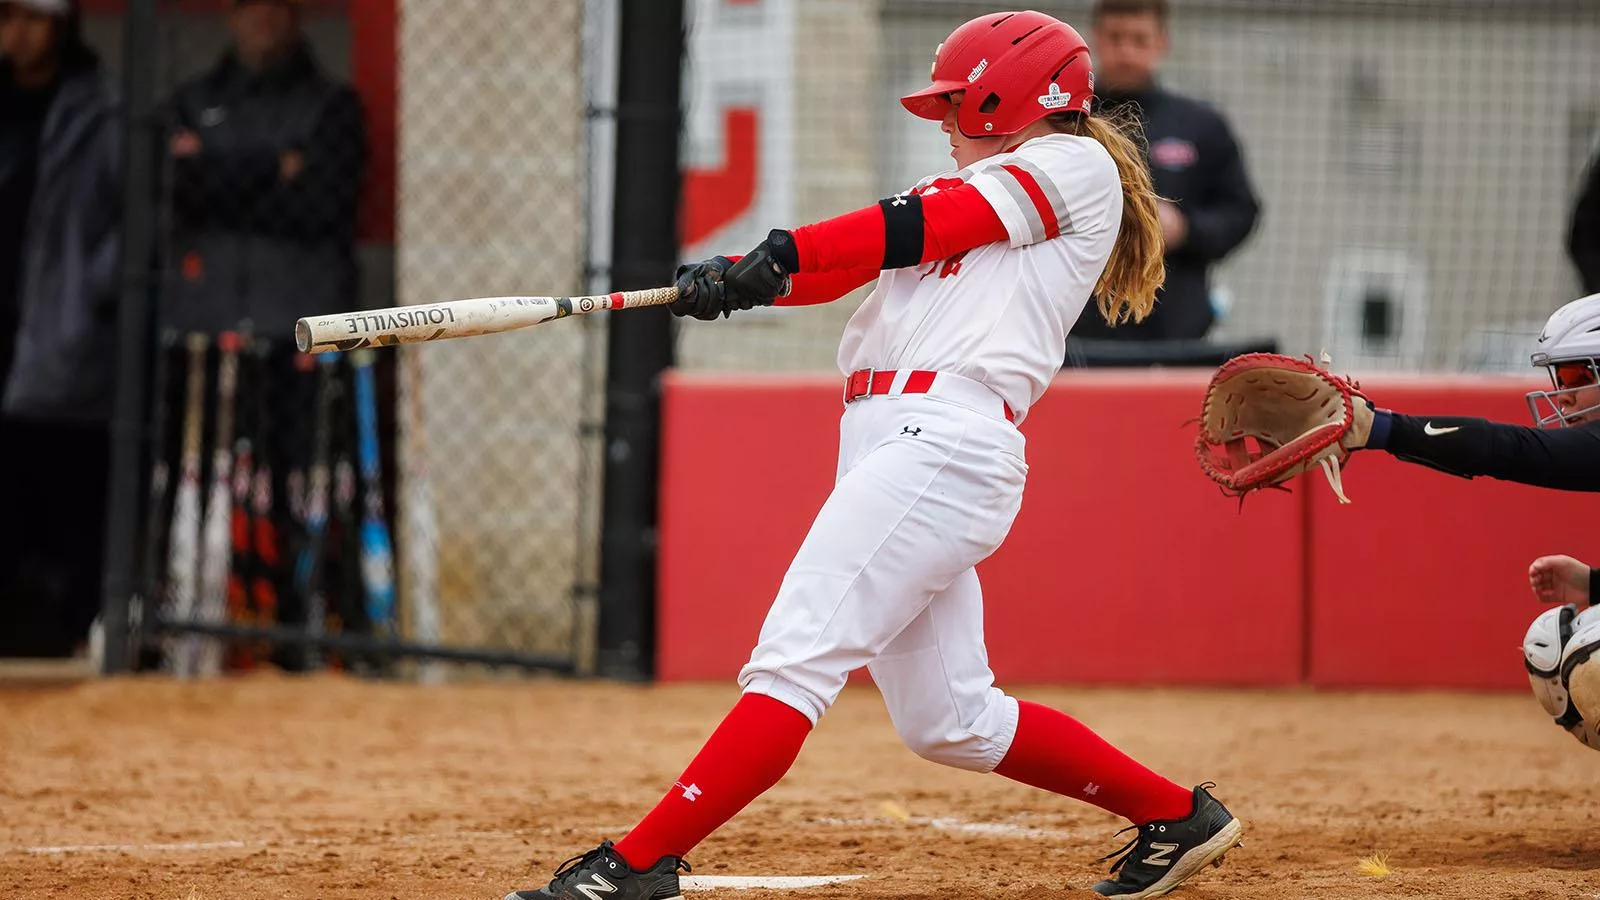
<point>974,111</point>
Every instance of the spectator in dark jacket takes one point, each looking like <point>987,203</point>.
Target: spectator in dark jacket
<point>59,247</point>
<point>59,217</point>
<point>1583,236</point>
<point>1194,161</point>
<point>267,161</point>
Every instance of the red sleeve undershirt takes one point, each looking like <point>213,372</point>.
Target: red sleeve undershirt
<point>812,288</point>
<point>953,220</point>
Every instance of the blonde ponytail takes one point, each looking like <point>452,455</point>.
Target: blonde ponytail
<point>1127,288</point>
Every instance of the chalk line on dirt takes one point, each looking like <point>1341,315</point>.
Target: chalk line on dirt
<point>129,848</point>
<point>959,826</point>
<point>775,882</point>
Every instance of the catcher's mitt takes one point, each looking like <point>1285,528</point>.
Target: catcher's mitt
<point>1268,418</point>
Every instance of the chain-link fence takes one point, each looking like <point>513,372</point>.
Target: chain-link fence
<point>318,156</point>
<point>498,436</point>
<point>1415,161</point>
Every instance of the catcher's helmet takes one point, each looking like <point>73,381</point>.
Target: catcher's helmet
<point>1016,68</point>
<point>1569,347</point>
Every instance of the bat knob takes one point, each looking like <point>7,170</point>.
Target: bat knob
<point>302,336</point>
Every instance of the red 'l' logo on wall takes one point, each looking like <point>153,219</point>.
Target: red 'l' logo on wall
<point>714,197</point>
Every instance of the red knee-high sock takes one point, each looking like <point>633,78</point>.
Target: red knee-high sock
<point>746,755</point>
<point>1057,753</point>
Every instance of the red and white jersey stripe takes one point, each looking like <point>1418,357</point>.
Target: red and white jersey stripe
<point>1000,313</point>
<point>1029,188</point>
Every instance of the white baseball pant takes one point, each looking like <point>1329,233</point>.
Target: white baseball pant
<point>928,486</point>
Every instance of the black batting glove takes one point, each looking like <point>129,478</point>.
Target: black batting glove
<point>761,276</point>
<point>701,293</point>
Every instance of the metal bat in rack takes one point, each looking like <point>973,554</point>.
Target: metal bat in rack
<point>456,318</point>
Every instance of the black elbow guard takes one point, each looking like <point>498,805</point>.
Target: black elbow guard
<point>902,231</point>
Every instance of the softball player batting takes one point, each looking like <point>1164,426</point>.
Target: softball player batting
<point>981,272</point>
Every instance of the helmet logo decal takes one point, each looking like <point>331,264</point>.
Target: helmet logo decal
<point>977,70</point>
<point>1055,99</point>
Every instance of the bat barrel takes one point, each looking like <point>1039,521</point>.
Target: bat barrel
<point>426,322</point>
<point>455,319</point>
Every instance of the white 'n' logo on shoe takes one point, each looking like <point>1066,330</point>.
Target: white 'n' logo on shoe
<point>600,886</point>
<point>1158,858</point>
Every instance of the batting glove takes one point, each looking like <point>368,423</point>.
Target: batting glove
<point>761,276</point>
<point>701,293</point>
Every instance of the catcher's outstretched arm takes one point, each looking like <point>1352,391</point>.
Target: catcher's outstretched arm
<point>1563,458</point>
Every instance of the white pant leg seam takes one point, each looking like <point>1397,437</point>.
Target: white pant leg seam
<point>997,749</point>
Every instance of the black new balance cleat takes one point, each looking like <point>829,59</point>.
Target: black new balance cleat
<point>1165,854</point>
<point>602,874</point>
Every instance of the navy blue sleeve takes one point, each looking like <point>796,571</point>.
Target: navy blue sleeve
<point>1563,458</point>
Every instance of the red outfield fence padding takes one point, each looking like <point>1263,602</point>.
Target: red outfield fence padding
<point>1126,566</point>
<point>1423,578</point>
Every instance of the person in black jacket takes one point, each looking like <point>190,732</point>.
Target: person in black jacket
<point>267,157</point>
<point>1195,162</point>
<point>1583,234</point>
<point>60,212</point>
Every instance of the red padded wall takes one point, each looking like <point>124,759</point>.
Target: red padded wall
<point>1116,571</point>
<point>1422,579</point>
<point>1126,565</point>
<point>746,463</point>
<point>1111,572</point>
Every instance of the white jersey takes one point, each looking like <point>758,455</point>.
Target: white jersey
<point>999,314</point>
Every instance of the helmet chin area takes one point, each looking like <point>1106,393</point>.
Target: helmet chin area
<point>1558,407</point>
<point>1548,413</point>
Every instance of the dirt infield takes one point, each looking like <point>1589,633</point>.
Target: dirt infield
<point>279,787</point>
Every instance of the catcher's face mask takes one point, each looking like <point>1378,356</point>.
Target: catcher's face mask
<point>1575,394</point>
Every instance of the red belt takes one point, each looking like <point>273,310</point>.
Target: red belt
<point>864,383</point>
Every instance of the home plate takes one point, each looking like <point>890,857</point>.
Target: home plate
<point>742,882</point>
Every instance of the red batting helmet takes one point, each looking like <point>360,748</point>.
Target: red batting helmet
<point>1016,68</point>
